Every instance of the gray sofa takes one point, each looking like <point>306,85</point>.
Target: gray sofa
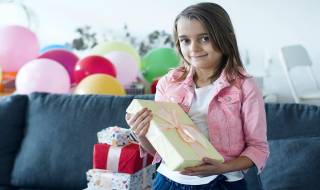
<point>46,141</point>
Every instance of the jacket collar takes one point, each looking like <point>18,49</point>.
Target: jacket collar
<point>222,80</point>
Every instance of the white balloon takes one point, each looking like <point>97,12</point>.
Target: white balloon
<point>127,67</point>
<point>42,75</point>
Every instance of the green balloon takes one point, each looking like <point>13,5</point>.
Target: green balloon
<point>157,63</point>
<point>107,47</point>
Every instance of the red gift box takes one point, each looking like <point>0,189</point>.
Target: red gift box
<point>124,159</point>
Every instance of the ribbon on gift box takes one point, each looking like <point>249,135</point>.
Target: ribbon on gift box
<point>113,159</point>
<point>188,133</point>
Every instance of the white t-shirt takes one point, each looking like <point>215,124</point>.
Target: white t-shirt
<point>198,113</point>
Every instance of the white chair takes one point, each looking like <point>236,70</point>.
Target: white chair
<point>294,56</point>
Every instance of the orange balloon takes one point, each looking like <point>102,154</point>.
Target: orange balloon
<point>100,84</point>
<point>1,87</point>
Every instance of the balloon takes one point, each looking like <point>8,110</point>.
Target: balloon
<point>126,66</point>
<point>1,85</point>
<point>92,65</point>
<point>18,45</point>
<point>55,47</point>
<point>106,47</point>
<point>153,87</point>
<point>64,57</point>
<point>100,84</point>
<point>157,62</point>
<point>0,73</point>
<point>42,75</point>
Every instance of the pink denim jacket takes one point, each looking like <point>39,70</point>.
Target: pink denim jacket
<point>236,116</point>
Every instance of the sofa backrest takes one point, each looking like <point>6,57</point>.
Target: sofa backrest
<point>60,133</point>
<point>292,121</point>
<point>12,121</point>
<point>294,142</point>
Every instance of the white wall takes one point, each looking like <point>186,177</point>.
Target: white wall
<point>260,26</point>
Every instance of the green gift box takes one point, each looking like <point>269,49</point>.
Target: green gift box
<point>174,136</point>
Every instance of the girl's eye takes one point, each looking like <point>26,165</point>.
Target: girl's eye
<point>205,39</point>
<point>184,41</point>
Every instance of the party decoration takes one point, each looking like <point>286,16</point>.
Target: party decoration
<point>65,58</point>
<point>157,62</point>
<point>0,73</point>
<point>127,67</point>
<point>1,85</point>
<point>92,65</point>
<point>106,47</point>
<point>55,47</point>
<point>18,45</point>
<point>42,75</point>
<point>100,84</point>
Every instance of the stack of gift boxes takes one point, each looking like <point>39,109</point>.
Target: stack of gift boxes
<point>118,162</point>
<point>176,139</point>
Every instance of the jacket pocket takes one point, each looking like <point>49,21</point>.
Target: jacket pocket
<point>231,105</point>
<point>229,98</point>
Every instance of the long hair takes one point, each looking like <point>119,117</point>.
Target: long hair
<point>217,21</point>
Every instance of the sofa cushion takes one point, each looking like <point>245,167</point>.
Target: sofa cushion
<point>12,120</point>
<point>60,133</point>
<point>293,164</point>
<point>292,120</point>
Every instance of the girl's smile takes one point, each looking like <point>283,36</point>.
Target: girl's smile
<point>196,46</point>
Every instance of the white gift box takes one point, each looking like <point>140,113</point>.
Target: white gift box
<point>107,180</point>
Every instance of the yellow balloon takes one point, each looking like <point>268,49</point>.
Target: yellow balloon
<point>107,47</point>
<point>100,84</point>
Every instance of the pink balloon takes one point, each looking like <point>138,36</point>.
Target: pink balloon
<point>64,57</point>
<point>18,45</point>
<point>126,66</point>
<point>42,75</point>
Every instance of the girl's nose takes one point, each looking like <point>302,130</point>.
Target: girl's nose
<point>194,46</point>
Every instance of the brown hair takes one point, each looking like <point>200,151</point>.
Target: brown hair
<point>217,21</point>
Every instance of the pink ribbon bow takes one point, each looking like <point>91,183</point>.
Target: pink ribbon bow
<point>188,133</point>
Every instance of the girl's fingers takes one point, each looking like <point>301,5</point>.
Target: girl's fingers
<point>138,116</point>
<point>142,117</point>
<point>131,118</point>
<point>143,127</point>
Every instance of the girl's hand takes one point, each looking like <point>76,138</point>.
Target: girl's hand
<point>210,167</point>
<point>139,122</point>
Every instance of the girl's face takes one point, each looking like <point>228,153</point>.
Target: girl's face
<point>196,45</point>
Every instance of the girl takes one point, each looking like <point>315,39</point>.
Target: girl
<point>221,99</point>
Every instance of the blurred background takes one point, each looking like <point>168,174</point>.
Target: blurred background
<point>129,41</point>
